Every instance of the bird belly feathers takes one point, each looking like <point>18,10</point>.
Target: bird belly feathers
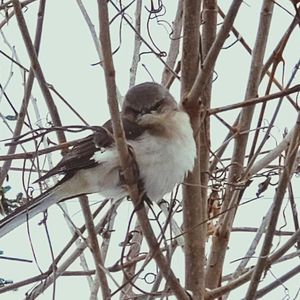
<point>163,160</point>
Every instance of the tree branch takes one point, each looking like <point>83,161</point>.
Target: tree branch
<point>193,204</point>
<point>137,44</point>
<point>209,62</point>
<point>174,45</point>
<point>37,69</point>
<point>255,100</point>
<point>280,191</point>
<point>94,245</point>
<point>125,159</point>
<point>232,196</point>
<point>23,110</point>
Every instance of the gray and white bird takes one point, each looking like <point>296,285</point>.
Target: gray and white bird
<point>160,135</point>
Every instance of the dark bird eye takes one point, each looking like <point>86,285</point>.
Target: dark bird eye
<point>157,105</point>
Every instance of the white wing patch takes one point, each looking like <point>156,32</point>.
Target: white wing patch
<point>104,155</point>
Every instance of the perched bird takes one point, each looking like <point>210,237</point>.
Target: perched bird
<point>160,135</point>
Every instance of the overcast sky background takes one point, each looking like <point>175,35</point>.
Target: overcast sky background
<point>66,56</point>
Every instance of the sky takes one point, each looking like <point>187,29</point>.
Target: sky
<point>68,59</point>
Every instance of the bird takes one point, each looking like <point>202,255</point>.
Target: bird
<point>160,136</point>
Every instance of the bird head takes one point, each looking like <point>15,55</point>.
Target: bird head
<point>147,98</point>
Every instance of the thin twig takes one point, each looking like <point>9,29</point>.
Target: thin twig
<point>233,196</point>
<point>37,69</point>
<point>209,62</point>
<point>256,100</point>
<point>279,281</point>
<point>71,258</point>
<point>137,44</point>
<point>217,292</point>
<point>174,44</point>
<point>8,3</point>
<point>280,191</point>
<point>23,110</point>
<point>243,263</point>
<point>94,245</point>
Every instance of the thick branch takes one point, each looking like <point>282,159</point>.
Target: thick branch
<point>193,212</point>
<point>209,29</point>
<point>125,159</point>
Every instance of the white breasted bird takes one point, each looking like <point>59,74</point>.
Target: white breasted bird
<point>160,135</point>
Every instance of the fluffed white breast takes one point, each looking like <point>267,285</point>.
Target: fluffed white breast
<point>164,160</point>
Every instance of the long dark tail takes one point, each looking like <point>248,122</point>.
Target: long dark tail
<point>25,212</point>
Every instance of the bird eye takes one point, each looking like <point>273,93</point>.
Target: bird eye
<point>156,106</point>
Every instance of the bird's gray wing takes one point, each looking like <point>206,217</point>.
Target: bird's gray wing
<point>81,154</point>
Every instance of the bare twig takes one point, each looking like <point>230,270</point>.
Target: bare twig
<point>255,100</point>
<point>209,62</point>
<point>133,252</point>
<point>137,44</point>
<point>8,3</point>
<point>23,110</point>
<point>232,196</point>
<point>279,281</point>
<point>93,241</point>
<point>280,191</point>
<point>37,68</point>
<point>249,50</point>
<point>209,30</point>
<point>215,293</point>
<point>260,231</point>
<point>272,121</point>
<point>293,209</point>
<point>174,44</point>
<point>254,230</point>
<point>145,42</point>
<point>72,257</point>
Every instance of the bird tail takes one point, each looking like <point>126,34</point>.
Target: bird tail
<point>27,211</point>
